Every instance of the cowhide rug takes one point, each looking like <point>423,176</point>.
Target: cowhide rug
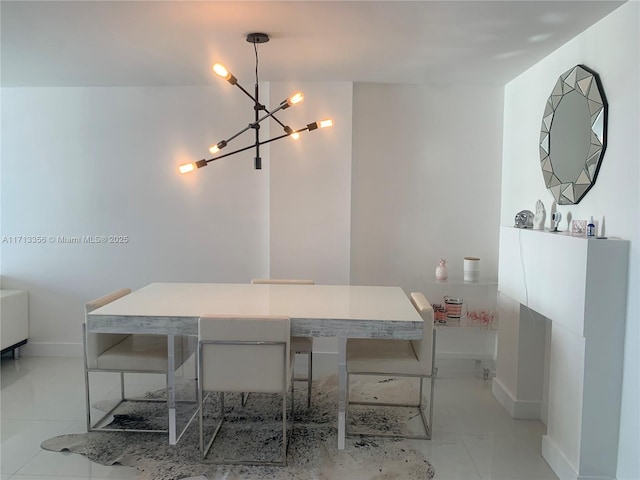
<point>255,432</point>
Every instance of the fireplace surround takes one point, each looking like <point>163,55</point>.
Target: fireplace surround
<point>580,286</point>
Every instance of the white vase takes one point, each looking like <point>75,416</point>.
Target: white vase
<point>441,270</point>
<point>471,269</point>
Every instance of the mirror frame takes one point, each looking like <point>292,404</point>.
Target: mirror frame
<point>586,82</point>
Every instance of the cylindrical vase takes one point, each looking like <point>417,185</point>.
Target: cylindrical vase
<point>471,269</point>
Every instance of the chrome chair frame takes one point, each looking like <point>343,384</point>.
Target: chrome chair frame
<point>427,423</point>
<point>309,377</point>
<point>96,427</point>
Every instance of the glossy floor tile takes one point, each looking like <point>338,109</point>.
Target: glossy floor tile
<point>473,439</point>
<point>519,457</point>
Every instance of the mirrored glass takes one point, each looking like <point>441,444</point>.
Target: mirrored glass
<point>573,134</point>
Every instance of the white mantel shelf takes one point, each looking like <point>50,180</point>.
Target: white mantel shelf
<point>564,275</point>
<point>580,284</point>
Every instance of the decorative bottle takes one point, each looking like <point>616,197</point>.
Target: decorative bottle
<point>441,270</point>
<point>591,228</point>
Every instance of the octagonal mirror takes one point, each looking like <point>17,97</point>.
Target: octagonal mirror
<point>573,135</point>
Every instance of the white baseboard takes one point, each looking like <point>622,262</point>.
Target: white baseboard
<point>544,413</point>
<point>557,461</point>
<point>503,396</point>
<point>47,349</point>
<point>521,409</point>
<point>561,466</point>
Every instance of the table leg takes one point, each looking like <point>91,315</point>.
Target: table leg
<point>171,388</point>
<point>342,390</point>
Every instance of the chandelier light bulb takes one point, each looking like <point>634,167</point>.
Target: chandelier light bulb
<point>295,99</point>
<point>295,136</point>
<point>218,146</point>
<point>220,70</point>
<point>327,122</point>
<point>187,167</point>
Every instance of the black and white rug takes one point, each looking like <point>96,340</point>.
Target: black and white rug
<point>255,432</point>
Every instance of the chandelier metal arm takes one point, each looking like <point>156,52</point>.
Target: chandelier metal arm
<point>243,149</point>
<point>252,125</point>
<point>274,117</point>
<point>253,145</point>
<point>239,133</point>
<point>270,114</point>
<point>259,106</point>
<point>255,101</point>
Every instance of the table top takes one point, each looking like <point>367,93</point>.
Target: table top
<point>315,310</point>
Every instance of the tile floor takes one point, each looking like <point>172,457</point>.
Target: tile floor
<point>474,438</point>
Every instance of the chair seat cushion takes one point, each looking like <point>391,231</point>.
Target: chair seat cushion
<point>373,355</point>
<point>302,344</point>
<point>138,353</point>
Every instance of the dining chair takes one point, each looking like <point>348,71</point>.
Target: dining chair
<point>300,345</point>
<point>397,358</point>
<point>244,354</point>
<point>126,353</point>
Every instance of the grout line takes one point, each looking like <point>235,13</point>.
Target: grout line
<point>471,457</point>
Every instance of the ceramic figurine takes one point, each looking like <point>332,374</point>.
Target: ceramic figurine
<point>441,270</point>
<point>540,216</point>
<point>554,209</point>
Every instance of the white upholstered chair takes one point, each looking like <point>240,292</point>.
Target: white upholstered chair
<point>300,345</point>
<point>124,353</point>
<point>398,358</point>
<point>244,354</point>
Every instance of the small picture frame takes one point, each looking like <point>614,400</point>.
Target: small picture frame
<point>579,228</point>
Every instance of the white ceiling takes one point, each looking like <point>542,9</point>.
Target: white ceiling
<point>158,43</point>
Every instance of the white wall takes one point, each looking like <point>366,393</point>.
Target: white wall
<point>102,161</point>
<point>426,181</point>
<point>611,48</point>
<point>310,186</point>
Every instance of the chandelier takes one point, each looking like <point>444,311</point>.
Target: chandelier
<point>260,113</point>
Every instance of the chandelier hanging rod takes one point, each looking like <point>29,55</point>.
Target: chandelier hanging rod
<point>294,99</point>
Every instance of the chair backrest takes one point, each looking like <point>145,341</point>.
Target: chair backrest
<point>424,347</point>
<point>227,364</point>
<point>282,281</point>
<point>96,343</point>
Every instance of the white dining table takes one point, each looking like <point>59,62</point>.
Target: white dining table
<point>342,311</point>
